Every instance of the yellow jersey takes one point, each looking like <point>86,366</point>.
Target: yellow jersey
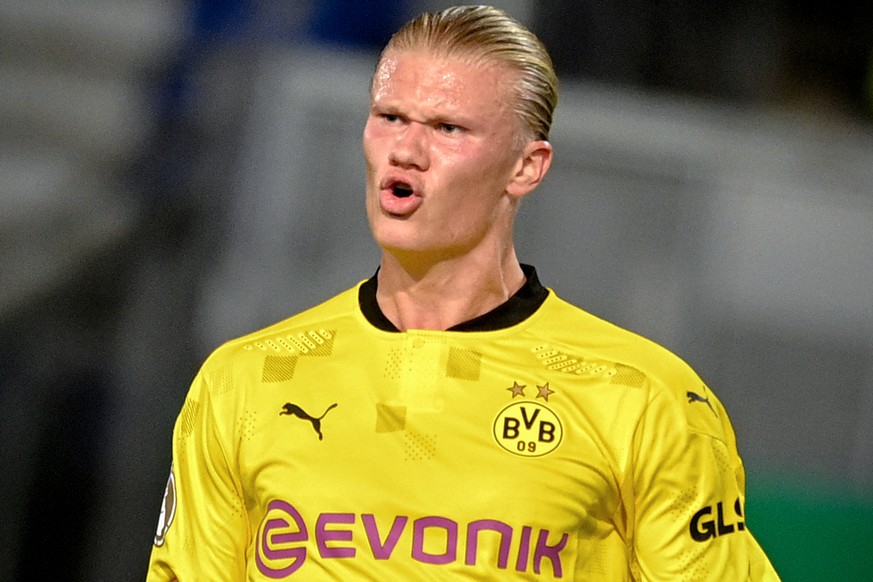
<point>537,442</point>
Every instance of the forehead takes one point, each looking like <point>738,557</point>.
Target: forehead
<point>450,81</point>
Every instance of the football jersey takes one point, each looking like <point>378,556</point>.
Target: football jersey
<point>536,442</point>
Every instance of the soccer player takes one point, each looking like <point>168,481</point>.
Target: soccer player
<point>451,417</point>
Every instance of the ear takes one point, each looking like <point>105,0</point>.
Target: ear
<point>530,169</point>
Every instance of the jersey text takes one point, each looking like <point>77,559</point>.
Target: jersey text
<point>284,540</point>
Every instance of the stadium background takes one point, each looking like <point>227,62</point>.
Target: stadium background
<point>175,173</point>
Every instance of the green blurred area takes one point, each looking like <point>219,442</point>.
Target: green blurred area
<point>813,528</point>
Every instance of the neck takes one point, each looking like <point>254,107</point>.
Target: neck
<point>441,294</point>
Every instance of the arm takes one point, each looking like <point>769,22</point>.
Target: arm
<point>203,531</point>
<point>689,493</point>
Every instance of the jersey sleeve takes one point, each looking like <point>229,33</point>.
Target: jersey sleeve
<point>203,531</point>
<point>688,492</point>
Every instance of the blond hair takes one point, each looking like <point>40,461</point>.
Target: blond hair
<point>490,34</point>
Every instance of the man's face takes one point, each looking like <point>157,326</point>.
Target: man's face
<point>440,149</point>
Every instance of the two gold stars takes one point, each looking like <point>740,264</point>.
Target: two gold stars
<point>542,391</point>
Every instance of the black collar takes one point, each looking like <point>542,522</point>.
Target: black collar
<point>516,309</point>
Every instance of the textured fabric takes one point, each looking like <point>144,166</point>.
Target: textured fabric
<point>561,447</point>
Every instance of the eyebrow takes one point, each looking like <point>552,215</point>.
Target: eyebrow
<point>458,119</point>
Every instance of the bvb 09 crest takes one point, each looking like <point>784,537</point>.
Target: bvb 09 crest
<point>528,429</point>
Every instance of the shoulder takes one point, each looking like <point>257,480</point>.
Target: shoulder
<point>637,361</point>
<point>601,338</point>
<point>309,331</point>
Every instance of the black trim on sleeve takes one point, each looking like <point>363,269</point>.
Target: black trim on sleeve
<point>515,310</point>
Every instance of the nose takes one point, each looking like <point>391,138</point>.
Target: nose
<point>410,149</point>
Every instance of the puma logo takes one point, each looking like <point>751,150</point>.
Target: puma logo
<point>695,397</point>
<point>294,410</point>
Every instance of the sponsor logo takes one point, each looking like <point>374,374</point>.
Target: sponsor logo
<point>710,522</point>
<point>285,541</point>
<point>528,429</point>
<point>294,410</point>
<point>695,397</point>
<point>168,510</point>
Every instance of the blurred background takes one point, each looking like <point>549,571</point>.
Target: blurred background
<point>174,173</point>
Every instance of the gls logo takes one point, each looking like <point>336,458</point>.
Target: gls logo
<point>704,527</point>
<point>529,429</point>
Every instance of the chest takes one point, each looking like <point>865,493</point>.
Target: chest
<point>427,427</point>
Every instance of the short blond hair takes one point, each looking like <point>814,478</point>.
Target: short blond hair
<point>490,34</point>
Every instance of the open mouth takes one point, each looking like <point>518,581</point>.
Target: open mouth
<point>399,198</point>
<point>402,190</point>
